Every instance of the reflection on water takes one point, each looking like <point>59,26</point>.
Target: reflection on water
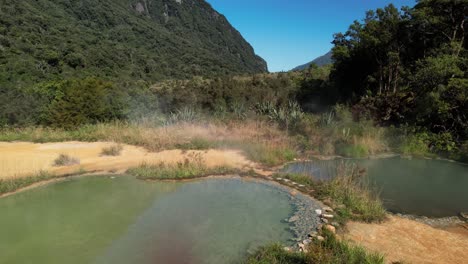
<point>123,220</point>
<point>413,186</point>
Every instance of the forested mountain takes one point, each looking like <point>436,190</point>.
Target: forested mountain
<point>129,39</point>
<point>320,61</point>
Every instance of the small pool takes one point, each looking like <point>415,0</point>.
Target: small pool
<point>433,188</point>
<point>124,220</point>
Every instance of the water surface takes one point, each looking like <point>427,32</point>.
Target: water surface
<point>434,188</point>
<point>124,220</point>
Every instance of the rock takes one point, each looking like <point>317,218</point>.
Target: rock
<point>313,234</point>
<point>330,228</point>
<point>327,209</point>
<point>279,179</point>
<point>286,180</point>
<point>335,224</point>
<point>324,220</point>
<point>318,211</point>
<point>306,242</point>
<point>330,216</point>
<point>287,249</point>
<point>320,238</point>
<point>464,215</point>
<point>301,185</point>
<point>293,219</point>
<point>300,245</point>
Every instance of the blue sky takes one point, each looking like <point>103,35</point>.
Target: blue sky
<point>288,33</point>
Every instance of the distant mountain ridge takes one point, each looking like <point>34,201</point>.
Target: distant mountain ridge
<point>129,40</point>
<point>320,61</point>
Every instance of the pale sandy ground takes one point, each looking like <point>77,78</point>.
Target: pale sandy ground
<point>22,159</point>
<point>410,241</point>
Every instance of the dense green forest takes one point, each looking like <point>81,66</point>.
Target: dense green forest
<point>408,67</point>
<point>78,63</point>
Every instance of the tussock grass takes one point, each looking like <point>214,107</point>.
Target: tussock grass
<point>276,254</point>
<point>329,251</point>
<point>269,154</point>
<point>349,193</point>
<point>13,184</point>
<point>113,150</point>
<point>189,169</point>
<point>65,160</point>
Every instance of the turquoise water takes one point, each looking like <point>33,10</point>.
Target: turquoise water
<point>433,188</point>
<point>124,220</point>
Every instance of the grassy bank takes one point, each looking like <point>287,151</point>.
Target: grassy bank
<point>329,251</point>
<point>13,184</point>
<point>348,194</point>
<point>179,171</point>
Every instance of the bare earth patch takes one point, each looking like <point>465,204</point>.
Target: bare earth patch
<point>22,159</point>
<point>410,241</point>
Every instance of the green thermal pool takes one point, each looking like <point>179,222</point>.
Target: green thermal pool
<point>124,220</point>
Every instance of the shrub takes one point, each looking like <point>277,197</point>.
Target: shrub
<point>72,103</point>
<point>113,150</point>
<point>65,160</point>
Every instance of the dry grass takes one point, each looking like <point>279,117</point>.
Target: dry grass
<point>65,160</point>
<point>113,150</point>
<point>373,141</point>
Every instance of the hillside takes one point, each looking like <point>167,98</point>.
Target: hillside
<point>320,61</point>
<point>129,39</point>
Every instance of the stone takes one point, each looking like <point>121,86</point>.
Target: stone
<point>312,234</point>
<point>324,220</point>
<point>306,242</point>
<point>318,211</point>
<point>286,180</point>
<point>293,219</point>
<point>279,179</point>
<point>464,215</point>
<point>320,238</point>
<point>287,249</point>
<point>327,209</point>
<point>300,245</point>
<point>335,224</point>
<point>301,185</point>
<point>330,228</point>
<point>327,216</point>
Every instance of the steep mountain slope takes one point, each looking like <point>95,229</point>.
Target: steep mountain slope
<point>125,39</point>
<point>320,61</point>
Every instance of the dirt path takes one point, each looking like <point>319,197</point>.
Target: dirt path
<point>410,241</point>
<point>23,158</point>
